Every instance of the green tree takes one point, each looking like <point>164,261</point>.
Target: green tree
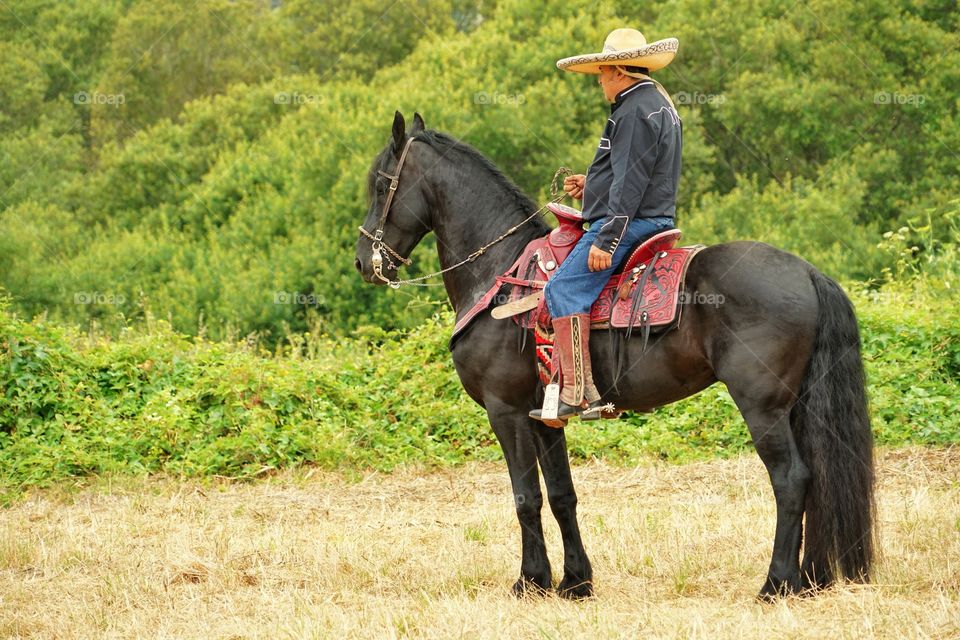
<point>165,53</point>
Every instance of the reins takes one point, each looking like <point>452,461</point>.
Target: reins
<point>378,244</point>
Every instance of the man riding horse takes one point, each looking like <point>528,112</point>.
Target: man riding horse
<point>785,340</point>
<point>629,193</point>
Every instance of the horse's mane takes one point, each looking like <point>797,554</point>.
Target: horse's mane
<point>444,143</point>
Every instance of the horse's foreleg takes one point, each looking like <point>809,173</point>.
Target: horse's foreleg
<point>512,429</point>
<point>552,452</point>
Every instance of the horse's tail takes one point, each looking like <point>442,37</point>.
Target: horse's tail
<point>832,429</point>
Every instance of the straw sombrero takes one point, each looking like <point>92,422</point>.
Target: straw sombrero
<point>624,47</point>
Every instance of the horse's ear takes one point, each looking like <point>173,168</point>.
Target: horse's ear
<point>399,132</point>
<point>418,125</point>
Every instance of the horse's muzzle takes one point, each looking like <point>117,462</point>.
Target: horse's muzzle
<point>365,267</point>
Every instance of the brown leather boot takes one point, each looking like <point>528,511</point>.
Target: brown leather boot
<point>591,396</point>
<point>571,353</point>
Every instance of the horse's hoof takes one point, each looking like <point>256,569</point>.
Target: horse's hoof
<point>774,590</point>
<point>525,587</point>
<point>575,589</point>
<point>810,587</point>
<point>768,597</point>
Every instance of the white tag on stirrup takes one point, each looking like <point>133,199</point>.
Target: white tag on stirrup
<point>551,402</point>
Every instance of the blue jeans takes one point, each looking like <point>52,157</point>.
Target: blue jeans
<point>574,288</point>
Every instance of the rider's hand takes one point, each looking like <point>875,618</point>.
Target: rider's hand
<point>573,186</point>
<point>598,260</point>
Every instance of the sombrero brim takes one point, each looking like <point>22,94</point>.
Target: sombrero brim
<point>653,56</point>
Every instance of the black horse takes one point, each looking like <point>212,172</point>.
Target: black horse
<point>784,341</point>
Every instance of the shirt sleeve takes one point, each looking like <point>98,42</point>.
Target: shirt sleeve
<point>633,154</point>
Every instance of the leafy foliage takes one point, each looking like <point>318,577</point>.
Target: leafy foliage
<point>158,401</point>
<point>233,170</point>
<point>205,164</point>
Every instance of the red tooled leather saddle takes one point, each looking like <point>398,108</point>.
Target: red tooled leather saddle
<point>644,293</point>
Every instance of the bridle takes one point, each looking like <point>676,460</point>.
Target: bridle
<point>377,258</point>
<point>377,237</point>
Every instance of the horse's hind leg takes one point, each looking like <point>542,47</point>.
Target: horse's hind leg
<point>512,429</point>
<point>552,451</point>
<point>773,439</point>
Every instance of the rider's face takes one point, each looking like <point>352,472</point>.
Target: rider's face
<point>608,81</point>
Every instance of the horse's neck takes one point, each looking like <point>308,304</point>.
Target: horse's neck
<point>466,223</point>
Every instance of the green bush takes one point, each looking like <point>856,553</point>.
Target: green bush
<point>158,401</point>
<point>227,186</point>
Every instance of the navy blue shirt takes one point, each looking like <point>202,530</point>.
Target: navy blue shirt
<point>637,165</point>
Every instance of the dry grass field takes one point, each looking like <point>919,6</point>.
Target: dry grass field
<point>678,552</point>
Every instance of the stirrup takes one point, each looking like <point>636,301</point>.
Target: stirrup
<point>565,412</point>
<point>558,423</point>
